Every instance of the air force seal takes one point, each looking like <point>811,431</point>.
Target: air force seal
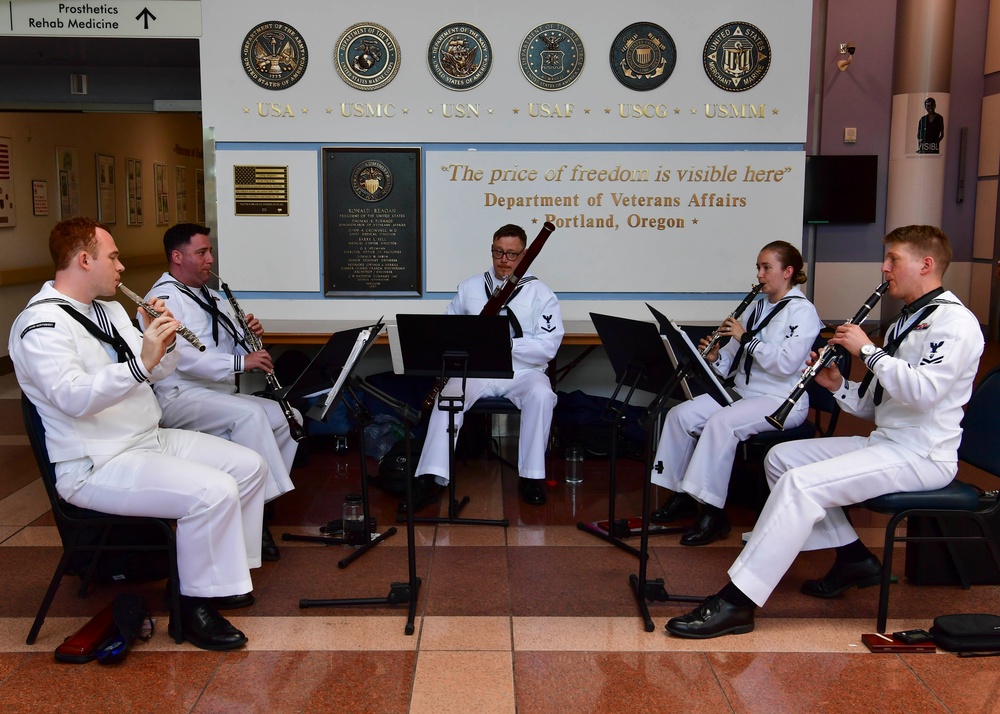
<point>643,56</point>
<point>371,181</point>
<point>274,55</point>
<point>367,56</point>
<point>552,56</point>
<point>460,56</point>
<point>737,56</point>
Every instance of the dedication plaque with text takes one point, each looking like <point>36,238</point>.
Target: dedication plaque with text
<point>371,222</point>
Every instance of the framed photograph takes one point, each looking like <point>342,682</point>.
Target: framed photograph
<point>106,208</point>
<point>40,198</point>
<point>8,206</point>
<point>160,194</point>
<point>133,191</point>
<point>68,167</point>
<point>180,191</point>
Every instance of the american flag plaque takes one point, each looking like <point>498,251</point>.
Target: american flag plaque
<point>261,190</point>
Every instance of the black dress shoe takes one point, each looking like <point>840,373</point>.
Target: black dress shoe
<point>205,628</point>
<point>533,490</point>
<point>425,492</point>
<point>232,602</point>
<point>844,576</point>
<point>268,548</point>
<point>712,618</point>
<point>678,506</point>
<point>712,525</point>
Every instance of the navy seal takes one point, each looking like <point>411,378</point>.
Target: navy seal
<point>460,56</point>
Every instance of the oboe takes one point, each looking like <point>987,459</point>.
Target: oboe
<point>735,314</point>
<point>154,313</point>
<point>253,344</point>
<point>825,357</point>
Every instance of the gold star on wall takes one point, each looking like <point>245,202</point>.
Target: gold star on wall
<point>695,221</point>
<point>490,111</point>
<point>586,111</point>
<point>607,111</point>
<point>406,110</point>
<point>516,110</point>
<point>305,110</point>
<point>246,110</point>
<point>774,111</point>
<point>694,111</point>
<point>329,110</point>
<point>677,110</point>
<point>430,110</point>
<point>534,220</point>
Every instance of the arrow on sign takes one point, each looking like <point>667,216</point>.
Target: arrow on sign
<point>146,16</point>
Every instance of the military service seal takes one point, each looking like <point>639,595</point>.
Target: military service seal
<point>371,180</point>
<point>367,56</point>
<point>737,56</point>
<point>460,56</point>
<point>552,56</point>
<point>274,55</point>
<point>643,56</point>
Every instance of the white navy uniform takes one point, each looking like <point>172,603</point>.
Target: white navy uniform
<point>700,437</point>
<point>914,447</point>
<point>536,311</point>
<point>101,430</point>
<point>201,394</point>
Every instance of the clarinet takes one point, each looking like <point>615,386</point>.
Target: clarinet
<point>501,293</point>
<point>253,344</point>
<point>735,314</point>
<point>154,313</point>
<point>825,357</point>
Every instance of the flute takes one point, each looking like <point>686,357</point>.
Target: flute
<point>824,358</point>
<point>154,313</point>
<point>735,314</point>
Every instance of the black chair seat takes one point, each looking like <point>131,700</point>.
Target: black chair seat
<point>956,496</point>
<point>493,405</point>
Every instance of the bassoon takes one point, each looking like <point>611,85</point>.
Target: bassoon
<point>825,357</point>
<point>501,293</point>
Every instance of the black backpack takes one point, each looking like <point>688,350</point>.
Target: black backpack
<point>970,635</point>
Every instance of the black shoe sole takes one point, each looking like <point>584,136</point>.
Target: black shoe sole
<point>210,646</point>
<point>738,630</point>
<point>859,584</point>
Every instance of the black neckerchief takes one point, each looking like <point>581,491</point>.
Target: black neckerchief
<point>752,331</point>
<point>898,334</point>
<point>114,339</point>
<point>515,325</point>
<point>208,305</point>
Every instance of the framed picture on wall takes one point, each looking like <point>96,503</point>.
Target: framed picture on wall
<point>40,198</point>
<point>160,194</point>
<point>180,189</point>
<point>133,191</point>
<point>106,208</point>
<point>199,196</point>
<point>68,167</point>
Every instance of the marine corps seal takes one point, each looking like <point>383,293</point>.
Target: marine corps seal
<point>460,56</point>
<point>371,180</point>
<point>643,56</point>
<point>552,56</point>
<point>367,56</point>
<point>274,55</point>
<point>737,56</point>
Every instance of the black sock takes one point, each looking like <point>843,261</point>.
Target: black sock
<point>734,596</point>
<point>852,552</point>
<point>712,510</point>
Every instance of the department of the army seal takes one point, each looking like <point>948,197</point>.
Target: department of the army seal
<point>274,55</point>
<point>367,56</point>
<point>460,56</point>
<point>737,56</point>
<point>643,56</point>
<point>371,180</point>
<point>552,56</point>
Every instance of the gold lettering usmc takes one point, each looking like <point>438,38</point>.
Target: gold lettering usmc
<point>364,109</point>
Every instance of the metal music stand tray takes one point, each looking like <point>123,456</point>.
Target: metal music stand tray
<point>332,369</point>
<point>455,347</point>
<point>640,361</point>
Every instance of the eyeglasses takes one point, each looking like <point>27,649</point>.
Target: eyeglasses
<point>511,255</point>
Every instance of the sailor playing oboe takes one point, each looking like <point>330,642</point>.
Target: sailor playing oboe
<point>763,352</point>
<point>201,394</point>
<point>914,390</point>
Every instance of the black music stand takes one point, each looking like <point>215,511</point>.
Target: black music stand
<point>689,364</point>
<point>454,348</point>
<point>332,369</point>
<point>640,361</point>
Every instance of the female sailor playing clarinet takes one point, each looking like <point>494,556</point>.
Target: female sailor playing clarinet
<point>766,350</point>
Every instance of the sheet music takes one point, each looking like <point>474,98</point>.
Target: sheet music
<point>356,351</point>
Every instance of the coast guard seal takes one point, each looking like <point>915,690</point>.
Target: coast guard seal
<point>643,56</point>
<point>552,56</point>
<point>274,55</point>
<point>371,180</point>
<point>737,56</point>
<point>367,56</point>
<point>460,56</point>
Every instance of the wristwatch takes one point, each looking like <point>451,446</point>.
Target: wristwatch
<point>867,350</point>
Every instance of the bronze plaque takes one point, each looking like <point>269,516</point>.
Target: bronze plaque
<point>261,190</point>
<point>371,222</point>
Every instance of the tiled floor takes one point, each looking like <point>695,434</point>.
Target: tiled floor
<point>537,617</point>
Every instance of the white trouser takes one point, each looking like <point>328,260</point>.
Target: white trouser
<point>213,488</point>
<point>699,441</point>
<point>810,480</point>
<point>254,422</point>
<point>530,391</point>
